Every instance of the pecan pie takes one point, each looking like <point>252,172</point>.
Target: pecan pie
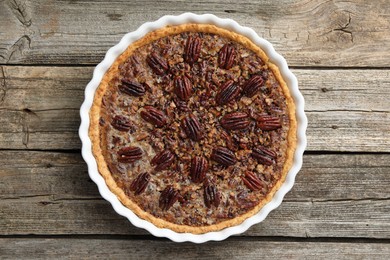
<point>193,128</point>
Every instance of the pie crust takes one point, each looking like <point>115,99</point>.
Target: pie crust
<point>99,149</point>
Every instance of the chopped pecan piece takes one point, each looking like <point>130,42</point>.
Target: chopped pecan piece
<point>102,122</point>
<point>163,160</point>
<point>140,183</point>
<point>192,49</point>
<point>223,155</point>
<point>183,88</point>
<point>229,141</point>
<point>229,91</point>
<point>252,181</point>
<point>264,156</point>
<point>268,123</point>
<point>192,128</point>
<point>226,57</point>
<point>253,85</point>
<point>121,123</point>
<point>129,154</point>
<point>211,195</point>
<point>199,167</point>
<point>136,64</point>
<point>158,64</point>
<point>235,121</point>
<point>182,105</point>
<point>132,88</point>
<point>154,116</point>
<point>168,197</point>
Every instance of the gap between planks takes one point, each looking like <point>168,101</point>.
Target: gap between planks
<point>164,249</point>
<point>308,67</point>
<point>231,238</point>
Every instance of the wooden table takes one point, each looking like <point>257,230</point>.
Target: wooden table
<point>340,205</point>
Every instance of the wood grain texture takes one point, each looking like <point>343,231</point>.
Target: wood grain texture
<point>50,193</point>
<point>339,206</point>
<point>306,32</point>
<point>39,108</point>
<point>50,248</point>
<point>46,216</point>
<point>59,175</point>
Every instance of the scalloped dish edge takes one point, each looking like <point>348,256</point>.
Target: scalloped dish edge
<point>110,58</point>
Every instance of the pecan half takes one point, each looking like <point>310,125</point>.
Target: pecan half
<point>223,155</point>
<point>168,197</point>
<point>252,181</point>
<point>235,121</point>
<point>154,116</point>
<point>252,85</point>
<point>226,56</point>
<point>140,183</point>
<point>264,156</point>
<point>192,128</point>
<point>211,195</point>
<point>192,49</point>
<point>229,91</point>
<point>268,123</point>
<point>183,88</point>
<point>199,167</point>
<point>158,64</point>
<point>132,88</point>
<point>163,160</point>
<point>129,154</point>
<point>121,123</point>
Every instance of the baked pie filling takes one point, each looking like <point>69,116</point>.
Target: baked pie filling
<point>193,128</point>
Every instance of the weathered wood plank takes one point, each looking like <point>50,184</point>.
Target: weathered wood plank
<point>56,32</point>
<point>80,248</point>
<point>65,176</point>
<point>43,216</point>
<point>39,108</point>
<point>40,174</point>
<point>63,88</point>
<point>44,193</point>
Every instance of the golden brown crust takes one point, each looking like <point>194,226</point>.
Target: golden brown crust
<point>95,134</point>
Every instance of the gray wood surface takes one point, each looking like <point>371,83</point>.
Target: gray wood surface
<point>59,175</point>
<point>47,215</point>
<point>50,248</point>
<point>340,205</point>
<point>307,33</point>
<point>344,115</point>
<point>39,185</point>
